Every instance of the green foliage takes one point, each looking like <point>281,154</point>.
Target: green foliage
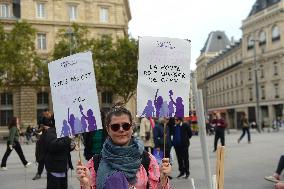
<point>18,55</point>
<point>115,62</point>
<point>77,35</point>
<point>126,53</point>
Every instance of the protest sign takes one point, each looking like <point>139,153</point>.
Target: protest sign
<point>163,77</point>
<point>74,95</point>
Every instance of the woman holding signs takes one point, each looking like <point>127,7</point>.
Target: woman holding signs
<point>122,161</point>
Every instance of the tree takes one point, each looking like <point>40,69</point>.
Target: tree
<point>75,38</point>
<point>126,53</point>
<point>116,66</point>
<point>19,59</point>
<point>115,62</point>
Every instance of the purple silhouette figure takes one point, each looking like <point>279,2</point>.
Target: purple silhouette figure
<point>178,104</point>
<point>158,103</point>
<point>83,124</point>
<point>171,109</point>
<point>148,110</point>
<point>77,126</point>
<point>90,118</point>
<point>65,131</point>
<point>71,121</point>
<point>164,112</point>
<point>74,123</point>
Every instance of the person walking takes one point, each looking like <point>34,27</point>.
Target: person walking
<point>219,123</point>
<point>146,134</point>
<point>13,143</point>
<point>181,135</point>
<point>120,164</point>
<point>245,127</point>
<point>44,123</point>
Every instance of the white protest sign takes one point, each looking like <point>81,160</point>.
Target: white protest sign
<point>163,77</point>
<point>74,95</point>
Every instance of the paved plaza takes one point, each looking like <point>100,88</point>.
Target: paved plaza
<point>245,164</point>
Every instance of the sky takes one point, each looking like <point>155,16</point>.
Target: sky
<point>188,19</point>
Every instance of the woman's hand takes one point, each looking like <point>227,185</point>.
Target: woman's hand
<point>165,170</point>
<point>83,175</point>
<point>279,185</point>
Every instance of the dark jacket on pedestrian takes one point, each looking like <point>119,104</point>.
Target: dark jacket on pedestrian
<point>184,134</point>
<point>159,137</point>
<point>57,151</point>
<point>219,123</point>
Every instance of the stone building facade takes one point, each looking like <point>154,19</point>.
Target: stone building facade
<point>227,75</point>
<point>107,17</point>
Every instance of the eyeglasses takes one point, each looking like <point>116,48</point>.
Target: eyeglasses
<point>115,127</point>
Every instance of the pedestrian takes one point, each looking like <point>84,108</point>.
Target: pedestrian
<point>94,140</point>
<point>181,135</point>
<point>159,136</point>
<point>45,122</point>
<point>219,123</point>
<point>57,158</point>
<point>276,175</point>
<point>13,143</point>
<point>245,127</point>
<point>120,164</point>
<point>29,133</point>
<point>146,134</point>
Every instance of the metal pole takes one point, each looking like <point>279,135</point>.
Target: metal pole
<point>257,113</point>
<point>201,122</point>
<point>70,39</point>
<point>206,91</point>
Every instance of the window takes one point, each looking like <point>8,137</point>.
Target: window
<point>72,12</point>
<point>42,98</point>
<point>275,68</point>
<point>275,33</point>
<point>42,103</point>
<point>104,15</point>
<point>237,96</point>
<point>250,42</point>
<point>261,71</point>
<point>4,10</point>
<point>262,38</point>
<point>242,95</point>
<point>249,74</point>
<point>40,10</point>
<point>241,77</point>
<point>107,97</point>
<point>250,94</point>
<point>6,108</point>
<point>262,92</point>
<point>276,90</point>
<point>41,41</point>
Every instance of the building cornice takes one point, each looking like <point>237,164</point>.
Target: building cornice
<point>266,13</point>
<point>66,24</point>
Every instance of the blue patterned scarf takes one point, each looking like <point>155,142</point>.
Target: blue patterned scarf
<point>126,159</point>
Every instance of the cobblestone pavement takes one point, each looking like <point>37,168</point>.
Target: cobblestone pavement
<point>245,164</point>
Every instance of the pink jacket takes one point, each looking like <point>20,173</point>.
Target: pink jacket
<point>142,178</point>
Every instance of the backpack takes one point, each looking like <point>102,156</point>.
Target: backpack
<point>145,162</point>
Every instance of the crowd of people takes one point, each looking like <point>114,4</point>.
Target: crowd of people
<point>115,156</point>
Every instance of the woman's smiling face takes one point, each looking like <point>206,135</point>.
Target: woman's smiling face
<point>122,136</point>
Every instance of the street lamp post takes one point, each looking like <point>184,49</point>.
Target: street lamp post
<point>206,91</point>
<point>70,33</point>
<point>257,112</point>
